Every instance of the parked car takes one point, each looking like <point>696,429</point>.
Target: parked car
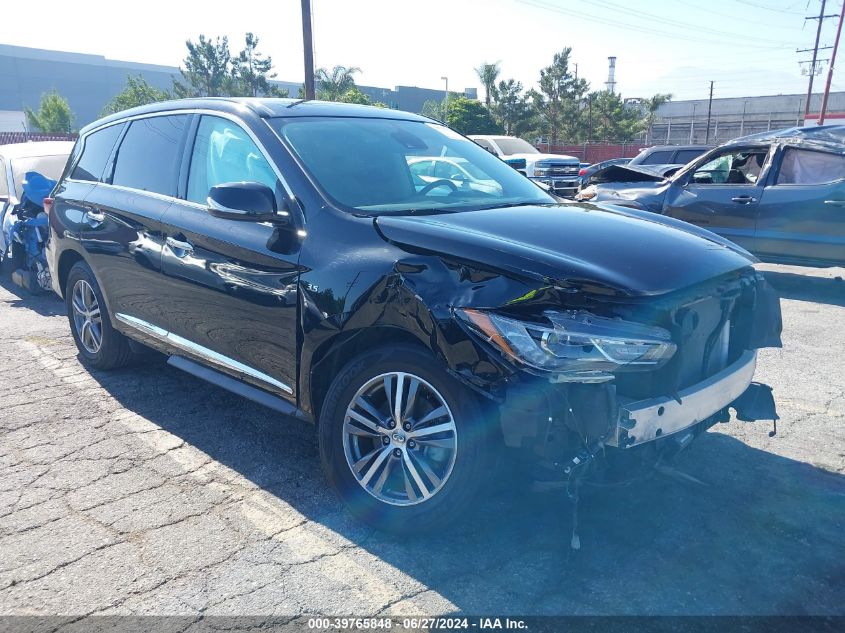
<point>780,195</point>
<point>669,154</point>
<point>427,169</point>
<point>281,250</point>
<point>558,171</point>
<point>585,172</point>
<point>46,157</point>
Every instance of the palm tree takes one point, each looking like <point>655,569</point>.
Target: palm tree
<point>651,107</point>
<point>488,74</point>
<point>332,85</point>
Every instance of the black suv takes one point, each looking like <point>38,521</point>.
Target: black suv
<point>285,251</point>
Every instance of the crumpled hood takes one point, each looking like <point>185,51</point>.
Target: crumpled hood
<point>623,251</point>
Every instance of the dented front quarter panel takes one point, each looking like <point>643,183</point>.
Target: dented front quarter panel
<point>409,274</point>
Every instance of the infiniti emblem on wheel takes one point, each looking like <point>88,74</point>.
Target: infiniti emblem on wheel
<point>399,437</point>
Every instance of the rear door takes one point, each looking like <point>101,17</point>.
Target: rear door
<point>802,214</point>
<point>722,193</point>
<point>231,289</point>
<point>122,229</point>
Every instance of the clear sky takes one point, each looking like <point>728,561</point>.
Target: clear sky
<point>747,46</point>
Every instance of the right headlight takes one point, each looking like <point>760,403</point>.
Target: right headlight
<point>575,345</point>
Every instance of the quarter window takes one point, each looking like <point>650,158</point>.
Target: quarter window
<point>95,153</point>
<point>806,167</point>
<point>224,152</point>
<point>149,155</point>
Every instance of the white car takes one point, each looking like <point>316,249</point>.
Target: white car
<point>558,171</point>
<point>46,157</point>
<point>458,171</point>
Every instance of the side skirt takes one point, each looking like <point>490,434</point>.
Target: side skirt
<point>237,387</point>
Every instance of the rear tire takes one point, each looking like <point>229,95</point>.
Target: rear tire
<point>99,344</point>
<point>403,478</point>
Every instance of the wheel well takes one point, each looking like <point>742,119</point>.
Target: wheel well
<point>333,355</point>
<point>66,262</point>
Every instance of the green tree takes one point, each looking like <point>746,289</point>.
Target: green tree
<point>511,108</point>
<point>252,72</point>
<point>487,75</point>
<point>651,106</point>
<point>136,93</point>
<point>208,70</point>
<point>333,84</point>
<point>354,95</point>
<point>54,115</point>
<point>433,109</point>
<point>558,100</point>
<point>469,116</point>
<point>613,120</point>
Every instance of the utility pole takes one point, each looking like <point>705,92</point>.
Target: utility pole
<point>815,57</point>
<point>308,48</point>
<point>823,109</point>
<point>709,111</point>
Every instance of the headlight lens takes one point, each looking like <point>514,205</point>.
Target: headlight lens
<point>587,193</point>
<point>579,346</point>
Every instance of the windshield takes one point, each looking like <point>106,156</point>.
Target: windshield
<point>49,166</point>
<point>515,146</point>
<point>385,165</point>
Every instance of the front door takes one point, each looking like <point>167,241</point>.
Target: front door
<point>231,291</point>
<point>802,215</point>
<point>722,194</point>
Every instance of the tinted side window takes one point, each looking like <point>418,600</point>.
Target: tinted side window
<point>684,156</point>
<point>149,155</point>
<point>95,153</point>
<point>224,152</point>
<point>658,158</point>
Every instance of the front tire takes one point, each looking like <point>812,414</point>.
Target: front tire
<point>99,344</point>
<point>403,443</point>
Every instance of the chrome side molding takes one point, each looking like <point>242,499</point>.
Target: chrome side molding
<point>209,355</point>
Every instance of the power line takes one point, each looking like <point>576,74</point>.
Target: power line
<point>676,23</point>
<point>629,27</point>
<point>768,8</point>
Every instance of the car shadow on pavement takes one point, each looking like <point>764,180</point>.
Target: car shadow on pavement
<point>830,290</point>
<point>763,536</point>
<point>44,303</point>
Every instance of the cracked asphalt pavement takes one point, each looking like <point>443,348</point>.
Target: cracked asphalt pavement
<point>146,491</point>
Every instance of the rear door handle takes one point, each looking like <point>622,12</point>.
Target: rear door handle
<point>835,203</point>
<point>179,248</point>
<point>744,199</point>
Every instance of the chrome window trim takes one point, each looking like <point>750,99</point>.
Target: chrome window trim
<point>202,111</point>
<point>205,353</point>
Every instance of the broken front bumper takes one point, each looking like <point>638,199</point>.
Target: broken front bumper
<point>646,420</point>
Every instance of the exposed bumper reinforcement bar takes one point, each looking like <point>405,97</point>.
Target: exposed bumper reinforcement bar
<point>647,420</point>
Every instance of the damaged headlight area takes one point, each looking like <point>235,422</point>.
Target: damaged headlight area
<point>574,346</point>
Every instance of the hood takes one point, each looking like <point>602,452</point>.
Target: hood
<point>533,158</point>
<point>609,249</point>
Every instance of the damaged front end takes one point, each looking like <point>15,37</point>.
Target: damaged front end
<point>636,375</point>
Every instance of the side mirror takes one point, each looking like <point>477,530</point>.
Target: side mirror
<point>244,201</point>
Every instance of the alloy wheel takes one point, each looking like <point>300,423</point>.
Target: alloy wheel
<point>86,316</point>
<point>400,439</point>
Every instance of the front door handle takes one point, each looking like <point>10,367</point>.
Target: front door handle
<point>94,218</point>
<point>744,199</point>
<point>835,203</point>
<point>179,248</point>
